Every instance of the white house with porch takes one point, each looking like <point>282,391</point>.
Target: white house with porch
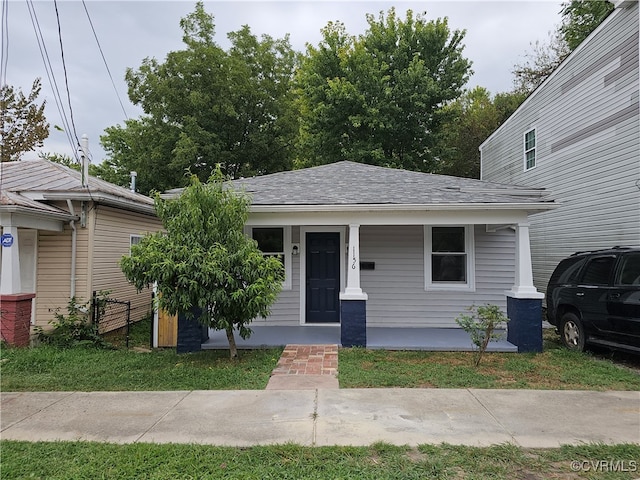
<point>372,247</point>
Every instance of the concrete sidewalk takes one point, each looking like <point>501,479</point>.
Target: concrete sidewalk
<point>529,418</point>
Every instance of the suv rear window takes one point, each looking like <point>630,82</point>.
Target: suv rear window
<point>567,270</point>
<point>629,273</point>
<point>598,271</point>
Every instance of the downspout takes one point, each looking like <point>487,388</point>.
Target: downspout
<point>74,242</point>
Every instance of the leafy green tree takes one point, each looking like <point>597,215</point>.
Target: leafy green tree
<point>469,121</point>
<point>204,260</point>
<point>377,98</point>
<point>205,106</point>
<point>22,122</point>
<point>579,19</point>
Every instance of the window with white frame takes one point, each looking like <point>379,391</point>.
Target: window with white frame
<point>134,240</point>
<point>449,258</point>
<point>530,149</point>
<point>275,242</point>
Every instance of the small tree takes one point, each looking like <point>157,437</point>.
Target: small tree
<point>22,122</point>
<point>205,261</point>
<point>481,325</point>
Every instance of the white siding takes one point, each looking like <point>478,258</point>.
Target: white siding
<point>594,175</point>
<point>286,310</point>
<point>396,287</point>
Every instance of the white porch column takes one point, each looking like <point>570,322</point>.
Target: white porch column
<point>523,286</point>
<point>10,281</point>
<point>353,290</point>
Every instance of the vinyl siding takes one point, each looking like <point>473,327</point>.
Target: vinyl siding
<point>111,241</point>
<point>588,153</point>
<point>286,310</point>
<point>397,296</point>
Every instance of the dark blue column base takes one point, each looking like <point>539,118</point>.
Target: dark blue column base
<point>524,329</point>
<point>191,333</point>
<point>353,323</point>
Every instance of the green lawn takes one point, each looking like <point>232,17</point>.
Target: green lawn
<point>86,369</point>
<point>555,368</point>
<point>86,460</point>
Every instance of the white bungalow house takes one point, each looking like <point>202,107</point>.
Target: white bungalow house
<point>578,134</point>
<point>366,246</point>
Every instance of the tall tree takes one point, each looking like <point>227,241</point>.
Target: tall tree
<point>579,19</point>
<point>377,98</point>
<point>205,106</point>
<point>22,122</point>
<point>204,260</point>
<point>470,120</point>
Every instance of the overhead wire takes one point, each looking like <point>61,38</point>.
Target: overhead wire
<point>4,52</point>
<point>104,60</point>
<point>52,78</point>
<point>66,78</point>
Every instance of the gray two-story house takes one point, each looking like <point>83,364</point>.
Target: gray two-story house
<point>578,135</point>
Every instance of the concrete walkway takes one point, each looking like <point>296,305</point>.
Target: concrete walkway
<point>529,418</point>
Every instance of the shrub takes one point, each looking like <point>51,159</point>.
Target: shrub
<point>481,325</point>
<point>74,329</point>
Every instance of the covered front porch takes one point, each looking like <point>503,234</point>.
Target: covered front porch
<point>424,339</point>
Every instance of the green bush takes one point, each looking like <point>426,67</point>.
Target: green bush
<point>481,325</point>
<point>74,329</point>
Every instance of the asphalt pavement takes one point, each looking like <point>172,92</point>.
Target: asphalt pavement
<point>318,417</point>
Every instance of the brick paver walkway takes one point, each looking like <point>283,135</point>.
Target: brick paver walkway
<point>308,360</point>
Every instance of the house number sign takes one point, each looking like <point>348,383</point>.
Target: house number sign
<point>353,264</point>
<point>7,239</point>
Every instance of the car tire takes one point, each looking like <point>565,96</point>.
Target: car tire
<point>572,332</point>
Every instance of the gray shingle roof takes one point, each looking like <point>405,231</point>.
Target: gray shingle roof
<point>349,183</point>
<point>44,180</point>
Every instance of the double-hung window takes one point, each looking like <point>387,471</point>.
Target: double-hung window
<point>449,258</point>
<point>275,242</point>
<point>134,240</point>
<point>530,149</point>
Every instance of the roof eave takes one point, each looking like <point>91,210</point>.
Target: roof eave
<point>537,207</point>
<point>104,198</point>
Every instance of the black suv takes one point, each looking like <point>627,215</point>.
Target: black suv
<point>594,298</point>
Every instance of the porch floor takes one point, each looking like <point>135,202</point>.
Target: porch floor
<point>427,339</point>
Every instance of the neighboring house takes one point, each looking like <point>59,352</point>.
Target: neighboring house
<point>62,239</point>
<point>372,246</point>
<point>578,134</point>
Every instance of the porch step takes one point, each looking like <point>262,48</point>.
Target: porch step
<point>306,367</point>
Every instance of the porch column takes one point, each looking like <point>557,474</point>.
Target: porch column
<point>10,281</point>
<point>524,302</point>
<point>353,302</point>
<point>15,311</point>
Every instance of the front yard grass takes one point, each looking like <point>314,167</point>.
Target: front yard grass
<point>46,368</point>
<point>555,368</point>
<point>86,460</point>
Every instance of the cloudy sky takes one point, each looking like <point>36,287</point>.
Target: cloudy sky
<point>499,34</point>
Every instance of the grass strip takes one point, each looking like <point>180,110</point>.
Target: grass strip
<point>87,460</point>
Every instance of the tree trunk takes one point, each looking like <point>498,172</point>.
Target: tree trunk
<point>233,350</point>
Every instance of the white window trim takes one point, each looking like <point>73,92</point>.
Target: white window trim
<point>470,285</point>
<point>286,285</point>
<point>131,237</point>
<point>535,149</point>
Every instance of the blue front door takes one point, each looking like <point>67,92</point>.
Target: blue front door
<point>323,277</point>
